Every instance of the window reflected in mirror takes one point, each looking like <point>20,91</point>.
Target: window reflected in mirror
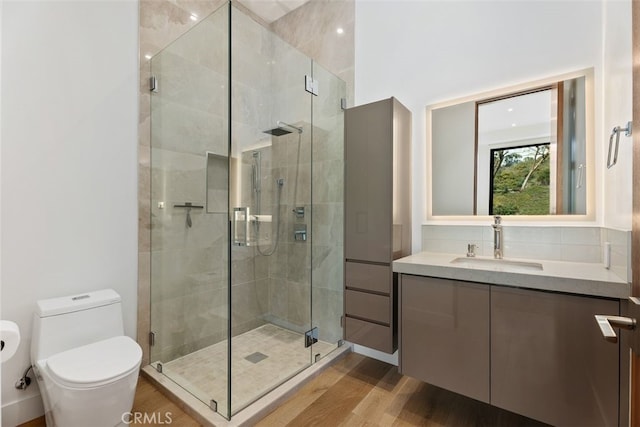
<point>519,152</point>
<point>515,135</point>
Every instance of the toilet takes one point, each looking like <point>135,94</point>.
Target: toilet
<point>86,368</point>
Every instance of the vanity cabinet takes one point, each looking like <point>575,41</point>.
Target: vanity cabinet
<point>549,360</point>
<point>444,334</point>
<point>377,219</point>
<point>539,354</point>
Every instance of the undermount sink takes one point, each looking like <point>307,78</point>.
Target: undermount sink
<point>499,263</point>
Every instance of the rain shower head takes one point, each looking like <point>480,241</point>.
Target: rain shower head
<point>280,130</point>
<point>277,131</point>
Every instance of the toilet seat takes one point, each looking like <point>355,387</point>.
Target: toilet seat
<point>96,364</point>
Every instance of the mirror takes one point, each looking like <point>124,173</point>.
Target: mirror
<point>519,151</point>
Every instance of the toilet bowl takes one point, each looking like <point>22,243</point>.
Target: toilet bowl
<point>86,368</point>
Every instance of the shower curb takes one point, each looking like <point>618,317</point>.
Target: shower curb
<point>254,412</point>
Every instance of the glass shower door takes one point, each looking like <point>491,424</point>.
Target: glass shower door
<point>271,211</point>
<point>328,210</point>
<point>189,211</point>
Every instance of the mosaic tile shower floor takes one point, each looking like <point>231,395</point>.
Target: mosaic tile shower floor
<point>262,359</point>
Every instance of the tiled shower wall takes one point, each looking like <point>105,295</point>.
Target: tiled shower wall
<point>563,243</point>
<point>162,22</point>
<point>312,29</point>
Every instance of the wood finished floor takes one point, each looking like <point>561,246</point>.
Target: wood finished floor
<point>148,400</point>
<point>356,391</point>
<point>359,391</point>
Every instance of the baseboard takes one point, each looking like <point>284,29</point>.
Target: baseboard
<point>391,359</point>
<point>21,411</point>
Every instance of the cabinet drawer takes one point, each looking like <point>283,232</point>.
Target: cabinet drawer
<point>368,277</point>
<point>368,306</point>
<point>369,334</point>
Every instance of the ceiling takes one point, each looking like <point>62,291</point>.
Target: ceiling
<point>516,118</point>
<point>272,10</point>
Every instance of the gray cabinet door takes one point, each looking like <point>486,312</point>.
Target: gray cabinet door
<point>444,334</point>
<point>549,362</point>
<point>369,181</point>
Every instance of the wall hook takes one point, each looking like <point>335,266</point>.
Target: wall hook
<point>616,132</point>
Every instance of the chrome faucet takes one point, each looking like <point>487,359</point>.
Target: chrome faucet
<point>497,237</point>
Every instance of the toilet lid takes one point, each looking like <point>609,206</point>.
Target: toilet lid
<point>95,364</point>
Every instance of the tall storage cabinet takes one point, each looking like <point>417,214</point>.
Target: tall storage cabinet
<point>377,219</point>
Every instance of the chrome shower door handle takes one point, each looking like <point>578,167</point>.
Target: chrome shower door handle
<point>239,215</point>
<point>607,323</point>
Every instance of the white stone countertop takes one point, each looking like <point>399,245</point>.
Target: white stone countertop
<point>560,276</point>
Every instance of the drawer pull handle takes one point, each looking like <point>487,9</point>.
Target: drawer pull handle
<point>607,323</point>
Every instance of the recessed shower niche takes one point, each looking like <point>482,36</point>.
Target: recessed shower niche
<point>238,146</point>
<point>217,187</point>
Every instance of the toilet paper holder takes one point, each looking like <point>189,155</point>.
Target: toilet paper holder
<point>9,339</point>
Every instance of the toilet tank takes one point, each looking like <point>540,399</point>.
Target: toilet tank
<point>63,323</point>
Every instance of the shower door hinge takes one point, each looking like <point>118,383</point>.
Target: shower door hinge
<point>311,85</point>
<point>213,405</point>
<point>159,367</point>
<point>153,84</point>
<point>343,103</point>
<point>341,321</point>
<point>152,339</point>
<point>311,337</point>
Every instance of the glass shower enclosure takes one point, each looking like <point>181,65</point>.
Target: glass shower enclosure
<point>246,211</point>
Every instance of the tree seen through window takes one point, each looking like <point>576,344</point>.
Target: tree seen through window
<point>520,180</point>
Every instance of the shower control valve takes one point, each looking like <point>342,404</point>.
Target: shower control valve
<point>299,211</point>
<point>300,232</point>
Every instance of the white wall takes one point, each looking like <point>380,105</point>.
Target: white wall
<point>432,51</point>
<point>617,100</point>
<point>69,84</point>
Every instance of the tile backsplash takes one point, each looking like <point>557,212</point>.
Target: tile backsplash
<point>575,244</point>
<point>620,251</point>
